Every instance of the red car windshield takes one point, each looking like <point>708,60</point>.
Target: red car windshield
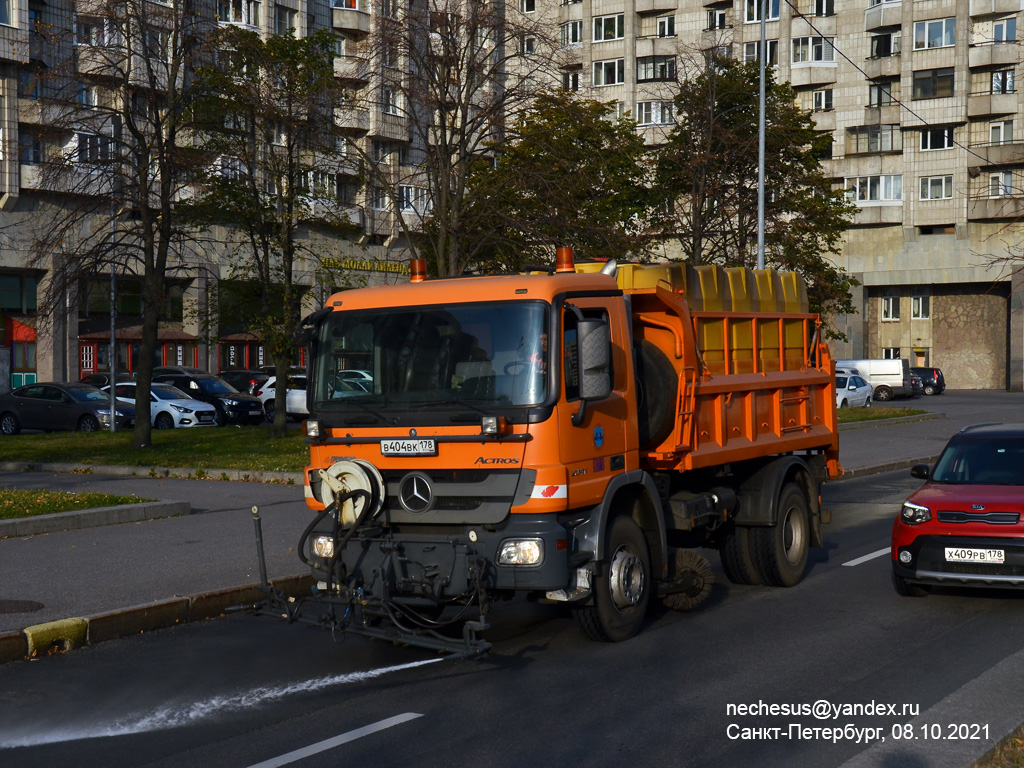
<point>989,461</point>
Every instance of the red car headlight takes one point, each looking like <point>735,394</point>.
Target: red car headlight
<point>913,514</point>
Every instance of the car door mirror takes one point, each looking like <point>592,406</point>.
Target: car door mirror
<point>921,471</point>
<point>594,350</point>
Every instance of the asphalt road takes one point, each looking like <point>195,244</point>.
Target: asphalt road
<point>250,691</point>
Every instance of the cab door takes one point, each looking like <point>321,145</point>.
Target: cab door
<point>594,451</point>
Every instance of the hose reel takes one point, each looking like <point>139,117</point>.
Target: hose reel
<point>352,475</point>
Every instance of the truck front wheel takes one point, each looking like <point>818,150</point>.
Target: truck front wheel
<point>622,587</point>
<point>780,551</point>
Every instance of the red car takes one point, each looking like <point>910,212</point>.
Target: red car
<point>963,526</point>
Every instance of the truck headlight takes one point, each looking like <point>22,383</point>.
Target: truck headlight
<point>913,514</point>
<point>312,428</point>
<point>323,546</point>
<point>521,552</point>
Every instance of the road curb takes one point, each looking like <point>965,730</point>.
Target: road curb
<point>67,634</point>
<point>92,518</point>
<point>180,473</point>
<point>850,474</point>
<point>885,422</point>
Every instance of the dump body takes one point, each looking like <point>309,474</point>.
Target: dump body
<point>561,435</point>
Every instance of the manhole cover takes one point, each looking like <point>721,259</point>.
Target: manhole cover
<point>19,606</point>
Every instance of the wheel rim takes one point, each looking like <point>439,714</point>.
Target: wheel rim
<point>626,579</point>
<point>793,535</point>
<point>7,425</point>
<point>88,425</point>
<point>163,421</point>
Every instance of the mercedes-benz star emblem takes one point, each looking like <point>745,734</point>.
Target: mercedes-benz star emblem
<point>415,493</point>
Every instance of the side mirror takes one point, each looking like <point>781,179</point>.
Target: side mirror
<point>921,471</point>
<point>595,353</point>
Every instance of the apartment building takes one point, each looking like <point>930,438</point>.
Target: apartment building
<point>922,100</point>
<point>36,38</point>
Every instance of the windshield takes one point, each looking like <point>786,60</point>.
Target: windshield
<point>89,395</point>
<point>477,354</point>
<point>215,387</point>
<point>992,461</point>
<point>167,392</point>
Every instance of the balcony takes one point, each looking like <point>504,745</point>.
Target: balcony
<point>879,214</point>
<point>995,208</point>
<point>352,118</point>
<point>993,54</point>
<point>883,66</point>
<point>1007,153</point>
<point>883,15</point>
<point>824,120</point>
<point>654,6</point>
<point>657,46</point>
<point>813,73</point>
<point>14,46</point>
<point>994,7</point>
<point>883,114</point>
<point>387,126</point>
<point>353,69</point>
<point>347,17</point>
<point>984,104</point>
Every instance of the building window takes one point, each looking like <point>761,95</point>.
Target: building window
<point>528,45</point>
<point>239,12</point>
<point>822,100</point>
<point>937,138</point>
<point>863,139</point>
<point>610,72</point>
<point>31,149</point>
<point>885,45</point>
<point>87,96</point>
<point>938,33</point>
<point>528,6</point>
<point>933,83</point>
<point>655,69</point>
<point>571,33</point>
<point>5,12</point>
<point>1000,184</point>
<point>716,19</point>
<point>1002,81</point>
<point>920,307</point>
<point>824,8</point>
<point>571,81</point>
<point>654,112</point>
<point>880,94</point>
<point>751,51</point>
<point>1004,31</point>
<point>667,25</point>
<point>891,309</point>
<point>93,149</point>
<point>379,199</point>
<point>891,353</point>
<point>875,189</point>
<point>388,100</point>
<point>753,12</point>
<point>609,27</point>
<point>285,21</point>
<point>813,49</point>
<point>94,31</point>
<point>937,188</point>
<point>1000,132</point>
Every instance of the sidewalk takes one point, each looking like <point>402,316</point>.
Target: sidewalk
<point>87,584</point>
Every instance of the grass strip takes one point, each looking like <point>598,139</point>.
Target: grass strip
<point>242,448</point>
<point>18,503</point>
<point>849,415</point>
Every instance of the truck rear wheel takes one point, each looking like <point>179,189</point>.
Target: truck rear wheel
<point>737,561</point>
<point>780,552</point>
<point>622,586</point>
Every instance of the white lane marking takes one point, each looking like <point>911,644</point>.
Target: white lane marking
<point>872,556</point>
<point>323,746</point>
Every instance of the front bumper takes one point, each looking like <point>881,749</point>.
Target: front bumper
<point>447,565</point>
<point>928,564</point>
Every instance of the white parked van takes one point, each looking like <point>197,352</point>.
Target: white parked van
<point>888,378</point>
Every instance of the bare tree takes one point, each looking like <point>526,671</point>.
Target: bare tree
<point>452,73</point>
<point>115,157</point>
<point>283,178</point>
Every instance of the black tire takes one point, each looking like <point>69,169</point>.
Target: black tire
<point>9,424</point>
<point>657,390</point>
<point>163,421</point>
<point>88,424</point>
<point>218,417</point>
<point>780,551</point>
<point>906,589</point>
<point>268,409</point>
<point>843,404</point>
<point>622,586</point>
<point>883,393</point>
<point>737,562</point>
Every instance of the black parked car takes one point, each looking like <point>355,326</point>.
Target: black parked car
<point>233,407</point>
<point>931,379</point>
<point>54,406</point>
<point>102,379</point>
